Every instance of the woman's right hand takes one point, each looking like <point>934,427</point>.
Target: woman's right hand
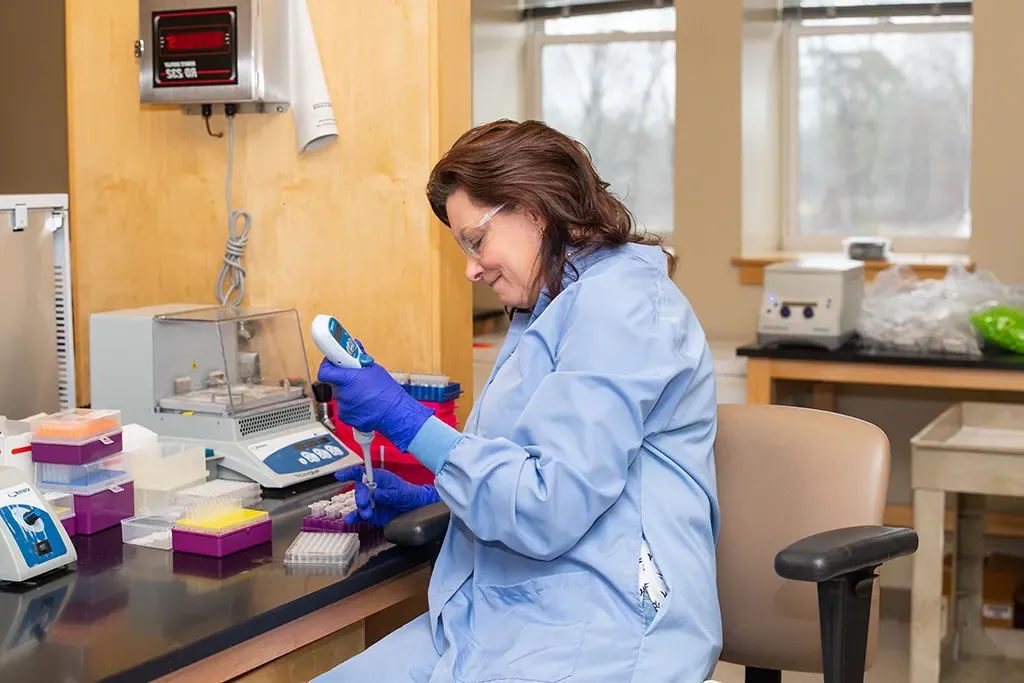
<point>392,496</point>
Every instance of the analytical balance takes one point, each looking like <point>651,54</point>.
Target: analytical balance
<point>812,301</point>
<point>234,380</point>
<point>32,539</point>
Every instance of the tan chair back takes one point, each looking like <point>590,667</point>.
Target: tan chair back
<point>783,474</point>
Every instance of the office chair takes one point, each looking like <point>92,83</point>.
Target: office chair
<point>810,483</point>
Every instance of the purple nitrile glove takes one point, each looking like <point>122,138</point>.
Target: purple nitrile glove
<point>392,496</point>
<point>370,400</point>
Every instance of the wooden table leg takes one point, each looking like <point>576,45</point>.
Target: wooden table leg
<point>760,385</point>
<point>969,577</point>
<point>823,396</point>
<point>926,587</point>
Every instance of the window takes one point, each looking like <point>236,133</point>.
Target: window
<point>608,80</point>
<point>878,132</point>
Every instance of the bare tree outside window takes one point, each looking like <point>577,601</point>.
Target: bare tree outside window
<point>616,95</point>
<point>884,133</point>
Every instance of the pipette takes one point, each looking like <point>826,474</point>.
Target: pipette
<point>341,349</point>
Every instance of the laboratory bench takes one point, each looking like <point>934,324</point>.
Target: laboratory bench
<point>773,373</point>
<point>861,363</point>
<point>129,613</point>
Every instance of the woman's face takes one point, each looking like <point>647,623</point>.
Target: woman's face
<point>502,248</point>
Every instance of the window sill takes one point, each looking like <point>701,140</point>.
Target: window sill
<point>925,266</point>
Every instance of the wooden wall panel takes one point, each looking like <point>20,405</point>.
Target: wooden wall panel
<point>345,229</point>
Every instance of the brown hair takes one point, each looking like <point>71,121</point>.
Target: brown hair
<point>532,166</point>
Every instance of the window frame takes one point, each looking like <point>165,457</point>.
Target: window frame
<point>790,239</point>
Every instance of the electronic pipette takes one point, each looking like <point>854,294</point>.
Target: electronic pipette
<point>341,349</point>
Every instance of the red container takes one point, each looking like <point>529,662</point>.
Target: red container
<point>402,464</point>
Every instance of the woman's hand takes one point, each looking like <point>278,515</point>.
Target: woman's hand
<point>370,400</point>
<point>391,497</point>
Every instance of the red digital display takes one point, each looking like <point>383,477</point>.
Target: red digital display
<point>195,41</point>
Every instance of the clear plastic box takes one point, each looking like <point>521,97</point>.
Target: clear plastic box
<point>82,480</point>
<point>246,494</point>
<point>166,462</point>
<point>228,361</point>
<point>162,469</point>
<point>151,530</point>
<point>160,495</point>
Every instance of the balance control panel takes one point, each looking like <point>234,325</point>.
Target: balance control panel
<point>294,453</point>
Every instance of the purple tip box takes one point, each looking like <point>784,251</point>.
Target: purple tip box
<point>69,525</point>
<point>66,454</point>
<point>219,546</point>
<point>104,509</point>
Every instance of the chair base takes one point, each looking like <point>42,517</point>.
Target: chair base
<point>755,675</point>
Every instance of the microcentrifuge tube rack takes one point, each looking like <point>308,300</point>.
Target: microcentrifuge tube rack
<point>310,548</point>
<point>329,515</point>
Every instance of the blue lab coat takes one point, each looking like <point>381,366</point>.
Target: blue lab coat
<point>595,427</point>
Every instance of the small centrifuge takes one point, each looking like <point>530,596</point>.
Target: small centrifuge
<point>32,539</point>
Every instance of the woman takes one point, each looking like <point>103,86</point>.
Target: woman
<point>585,465</point>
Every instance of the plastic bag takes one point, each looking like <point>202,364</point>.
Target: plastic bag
<point>900,311</point>
<point>1002,326</point>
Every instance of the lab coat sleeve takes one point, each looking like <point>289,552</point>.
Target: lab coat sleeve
<point>566,461</point>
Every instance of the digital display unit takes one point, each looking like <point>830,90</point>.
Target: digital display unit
<point>195,47</point>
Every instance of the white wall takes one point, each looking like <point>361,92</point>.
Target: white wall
<point>499,40</point>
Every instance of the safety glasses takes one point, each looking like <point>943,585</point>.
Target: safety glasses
<point>473,240</point>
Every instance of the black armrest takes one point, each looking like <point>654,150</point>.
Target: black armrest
<point>419,527</point>
<point>828,555</point>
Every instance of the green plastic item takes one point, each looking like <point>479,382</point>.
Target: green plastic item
<point>1002,326</point>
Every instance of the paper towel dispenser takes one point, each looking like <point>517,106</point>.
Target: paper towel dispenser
<point>196,52</point>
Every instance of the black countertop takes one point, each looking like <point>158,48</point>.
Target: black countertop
<point>134,614</point>
<point>858,351</point>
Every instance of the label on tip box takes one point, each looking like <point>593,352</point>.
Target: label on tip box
<point>29,523</point>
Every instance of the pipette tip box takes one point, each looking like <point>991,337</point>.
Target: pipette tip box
<point>221,534</point>
<point>100,511</point>
<point>76,437</point>
<point>82,480</point>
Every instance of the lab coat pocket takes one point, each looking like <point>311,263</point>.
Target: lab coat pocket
<point>530,631</point>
